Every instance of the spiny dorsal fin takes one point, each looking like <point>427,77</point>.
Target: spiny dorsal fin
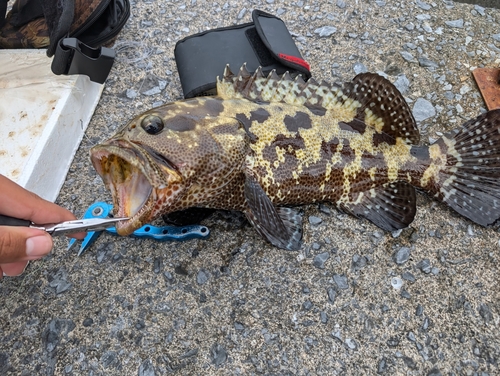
<point>369,97</point>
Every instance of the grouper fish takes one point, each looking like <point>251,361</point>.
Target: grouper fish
<point>266,144</point>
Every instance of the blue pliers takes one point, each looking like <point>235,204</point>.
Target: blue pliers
<point>103,210</point>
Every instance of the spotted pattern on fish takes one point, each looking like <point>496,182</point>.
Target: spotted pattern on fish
<point>264,145</point>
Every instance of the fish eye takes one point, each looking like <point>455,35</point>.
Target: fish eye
<point>152,124</point>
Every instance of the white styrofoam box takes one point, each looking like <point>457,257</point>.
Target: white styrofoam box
<point>43,118</point>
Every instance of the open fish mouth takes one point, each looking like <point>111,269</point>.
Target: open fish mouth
<point>125,172</point>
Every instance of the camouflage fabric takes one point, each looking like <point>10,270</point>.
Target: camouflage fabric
<point>36,34</point>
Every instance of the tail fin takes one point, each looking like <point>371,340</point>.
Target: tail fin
<point>469,181</point>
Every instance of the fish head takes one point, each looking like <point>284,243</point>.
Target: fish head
<point>154,163</point>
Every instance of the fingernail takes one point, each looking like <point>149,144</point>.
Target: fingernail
<point>38,246</point>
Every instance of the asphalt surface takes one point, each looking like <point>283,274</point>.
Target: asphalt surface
<point>354,300</point>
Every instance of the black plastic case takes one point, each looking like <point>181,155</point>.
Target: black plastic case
<point>265,42</point>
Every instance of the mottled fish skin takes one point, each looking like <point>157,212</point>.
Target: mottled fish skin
<point>267,143</point>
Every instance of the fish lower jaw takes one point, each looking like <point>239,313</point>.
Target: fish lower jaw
<point>134,195</point>
<point>137,218</point>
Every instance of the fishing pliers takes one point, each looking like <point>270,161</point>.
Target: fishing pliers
<point>102,211</point>
<point>64,228</point>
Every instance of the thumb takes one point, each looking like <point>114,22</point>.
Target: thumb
<point>22,243</point>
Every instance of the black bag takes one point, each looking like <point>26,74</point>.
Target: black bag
<point>265,42</point>
<point>90,24</point>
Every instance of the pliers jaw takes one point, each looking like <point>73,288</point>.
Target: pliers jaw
<point>96,210</point>
<point>103,210</point>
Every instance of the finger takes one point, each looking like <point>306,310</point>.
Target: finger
<point>79,235</point>
<point>14,269</point>
<point>23,243</point>
<point>18,202</point>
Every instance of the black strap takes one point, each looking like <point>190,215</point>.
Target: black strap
<point>3,11</point>
<point>25,11</point>
<point>59,17</point>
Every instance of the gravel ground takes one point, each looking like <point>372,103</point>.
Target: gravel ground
<point>354,300</point>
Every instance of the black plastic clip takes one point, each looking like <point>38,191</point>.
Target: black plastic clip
<point>74,57</point>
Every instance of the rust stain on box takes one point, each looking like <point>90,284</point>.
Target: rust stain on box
<point>487,80</point>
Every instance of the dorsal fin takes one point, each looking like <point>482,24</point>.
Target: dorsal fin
<point>369,97</point>
<point>382,106</point>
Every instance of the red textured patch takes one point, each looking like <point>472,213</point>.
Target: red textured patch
<point>295,60</point>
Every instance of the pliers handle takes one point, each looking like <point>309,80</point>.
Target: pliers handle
<point>63,228</point>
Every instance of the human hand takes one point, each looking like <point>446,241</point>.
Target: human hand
<point>18,245</point>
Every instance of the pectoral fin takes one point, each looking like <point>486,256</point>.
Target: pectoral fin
<point>281,226</point>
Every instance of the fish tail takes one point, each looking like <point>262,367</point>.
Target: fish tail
<point>464,169</point>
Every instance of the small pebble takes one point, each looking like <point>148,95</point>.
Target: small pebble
<point>360,68</point>
<point>241,14</point>
<point>351,343</point>
<point>218,354</point>
<point>407,276</point>
<point>320,259</point>
<point>396,283</point>
<point>423,5</point>
<point>402,255</point>
<point>358,262</point>
<point>88,322</point>
<point>323,317</point>
<point>157,265</point>
<point>403,85</point>
<point>479,9</point>
<point>410,26</point>
<point>131,93</point>
<point>307,305</point>
<point>341,4</point>
<point>313,220</point>
<point>434,372</point>
<point>202,277</point>
<point>426,324</point>
<point>382,366</point>
<point>325,31</point>
<point>425,266</point>
<point>324,209</point>
<point>423,109</point>
<point>408,57</point>
<point>405,294</point>
<point>409,362</point>
<point>147,368</point>
<point>397,233</point>
<point>485,312</point>
<point>426,63</point>
<point>419,310</point>
<point>455,23</point>
<point>341,281</point>
<point>411,336</point>
<point>332,294</point>
<point>393,342</point>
